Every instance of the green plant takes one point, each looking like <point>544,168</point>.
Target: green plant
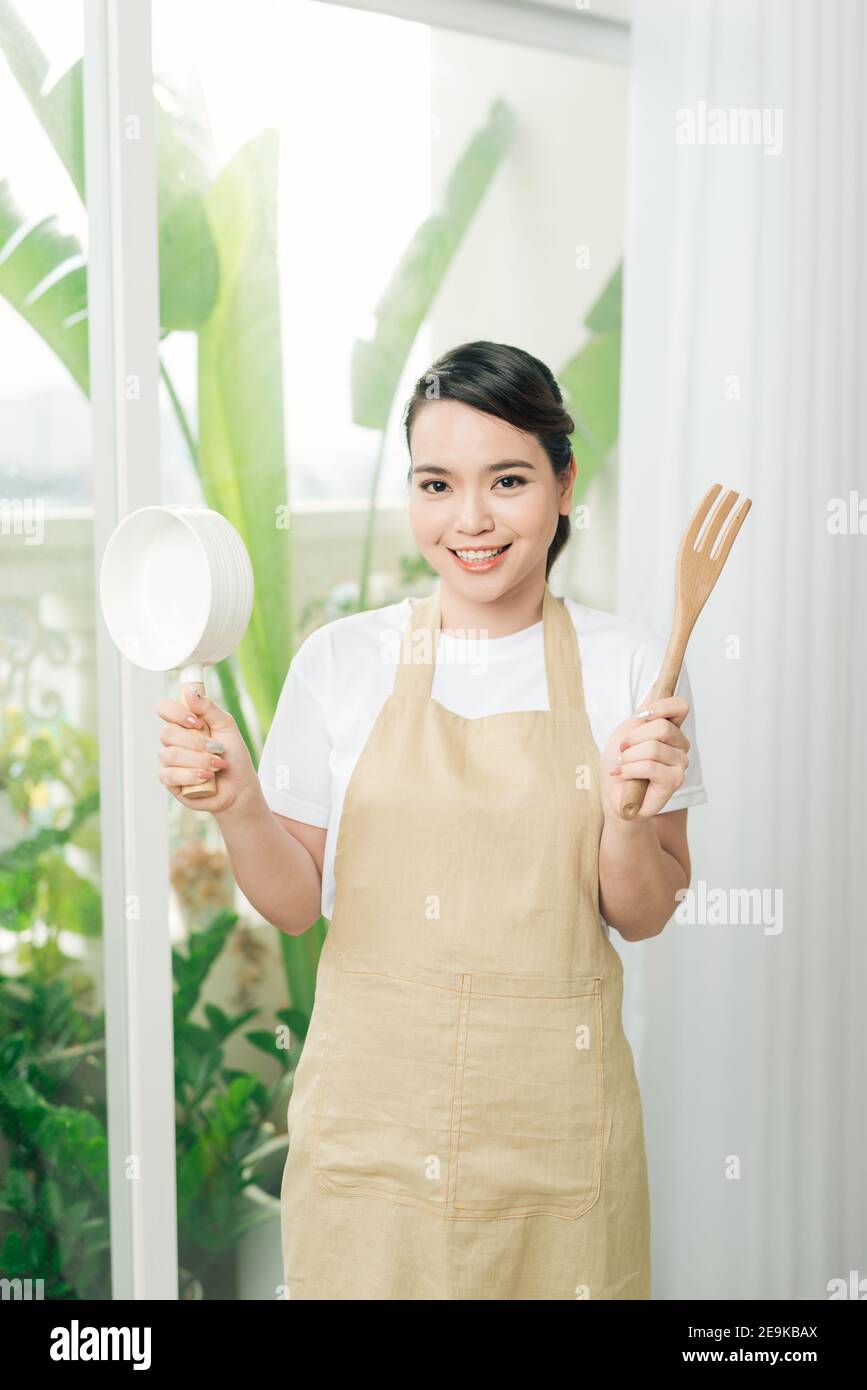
<point>590,381</point>
<point>54,1195</point>
<point>48,776</point>
<point>223,1132</point>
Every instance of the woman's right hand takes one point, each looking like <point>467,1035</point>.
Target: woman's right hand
<point>184,754</point>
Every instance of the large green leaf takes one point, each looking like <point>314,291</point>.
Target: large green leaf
<point>377,365</point>
<point>59,313</point>
<point>241,438</point>
<point>60,109</point>
<point>591,388</point>
<point>591,385</point>
<point>242,447</point>
<point>605,316</point>
<point>185,166</point>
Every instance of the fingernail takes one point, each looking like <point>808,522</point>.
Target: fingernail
<point>193,719</point>
<point>614,771</point>
<point>644,714</point>
<point>204,776</point>
<point>214,747</point>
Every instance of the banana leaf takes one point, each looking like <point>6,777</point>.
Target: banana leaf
<point>377,366</point>
<point>407,298</point>
<point>185,168</point>
<point>242,461</point>
<point>590,382</point>
<point>59,313</point>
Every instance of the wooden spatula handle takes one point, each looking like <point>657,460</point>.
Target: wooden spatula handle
<point>635,790</point>
<point>208,788</point>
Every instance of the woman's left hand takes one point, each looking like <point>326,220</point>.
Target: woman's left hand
<point>654,748</point>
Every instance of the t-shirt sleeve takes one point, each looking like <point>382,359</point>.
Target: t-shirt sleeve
<point>645,670</point>
<point>294,769</point>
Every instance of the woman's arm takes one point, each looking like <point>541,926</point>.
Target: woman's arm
<point>643,863</point>
<point>274,870</point>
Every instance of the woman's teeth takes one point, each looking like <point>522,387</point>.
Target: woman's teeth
<point>479,554</point>
<point>481,559</point>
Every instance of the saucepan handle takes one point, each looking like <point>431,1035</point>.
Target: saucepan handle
<point>208,788</point>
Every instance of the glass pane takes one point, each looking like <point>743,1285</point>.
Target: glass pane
<point>53,1160</point>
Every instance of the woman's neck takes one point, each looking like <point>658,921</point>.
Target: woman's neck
<point>518,608</point>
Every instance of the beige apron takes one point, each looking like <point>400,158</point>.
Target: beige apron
<point>466,1121</point>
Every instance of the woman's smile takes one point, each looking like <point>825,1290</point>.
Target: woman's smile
<point>479,557</point>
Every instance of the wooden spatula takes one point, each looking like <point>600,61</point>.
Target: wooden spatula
<point>697,572</point>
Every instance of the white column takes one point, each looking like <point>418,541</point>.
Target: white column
<point>123,316</point>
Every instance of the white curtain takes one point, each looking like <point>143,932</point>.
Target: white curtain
<point>744,363</point>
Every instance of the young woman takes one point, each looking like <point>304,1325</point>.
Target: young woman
<point>442,781</point>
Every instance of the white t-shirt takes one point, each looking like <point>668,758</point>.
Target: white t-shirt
<point>343,672</point>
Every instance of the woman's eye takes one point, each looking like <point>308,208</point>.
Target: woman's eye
<point>437,483</point>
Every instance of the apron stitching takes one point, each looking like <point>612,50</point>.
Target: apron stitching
<point>596,1188</point>
<point>458,1089</point>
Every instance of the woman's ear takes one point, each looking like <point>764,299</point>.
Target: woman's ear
<point>567,483</point>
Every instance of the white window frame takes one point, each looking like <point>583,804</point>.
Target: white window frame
<point>123,324</point>
<point>600,31</point>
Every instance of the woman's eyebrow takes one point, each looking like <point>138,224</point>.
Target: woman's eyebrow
<point>490,468</point>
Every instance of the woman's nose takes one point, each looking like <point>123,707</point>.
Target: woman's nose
<point>474,517</point>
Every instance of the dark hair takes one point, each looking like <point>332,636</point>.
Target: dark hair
<point>512,385</point>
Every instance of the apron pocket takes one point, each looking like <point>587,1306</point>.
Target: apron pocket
<point>531,1109</point>
<point>387,1090</point>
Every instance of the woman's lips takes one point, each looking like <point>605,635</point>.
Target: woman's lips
<point>494,557</point>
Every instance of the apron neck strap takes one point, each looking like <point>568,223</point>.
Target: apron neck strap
<point>415,669</point>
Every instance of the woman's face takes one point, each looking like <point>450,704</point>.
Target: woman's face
<point>484,499</point>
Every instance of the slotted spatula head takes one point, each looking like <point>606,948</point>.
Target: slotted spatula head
<point>698,568</point>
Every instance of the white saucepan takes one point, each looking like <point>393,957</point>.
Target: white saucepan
<point>176,589</point>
